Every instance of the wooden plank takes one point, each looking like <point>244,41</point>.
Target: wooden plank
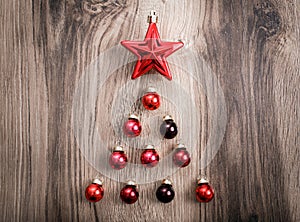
<point>252,49</point>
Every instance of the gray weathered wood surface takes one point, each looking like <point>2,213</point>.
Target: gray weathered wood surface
<point>251,46</point>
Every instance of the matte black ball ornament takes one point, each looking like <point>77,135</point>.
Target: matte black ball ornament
<point>165,193</point>
<point>168,128</point>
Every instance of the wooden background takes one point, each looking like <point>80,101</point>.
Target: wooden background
<point>253,49</point>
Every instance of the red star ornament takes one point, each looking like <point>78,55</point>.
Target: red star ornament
<point>152,53</point>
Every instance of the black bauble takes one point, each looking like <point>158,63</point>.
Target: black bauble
<point>168,129</point>
<point>165,193</point>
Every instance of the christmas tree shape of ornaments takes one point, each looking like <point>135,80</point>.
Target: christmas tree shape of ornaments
<point>151,54</point>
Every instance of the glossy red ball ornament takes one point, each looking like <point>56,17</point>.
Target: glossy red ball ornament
<point>151,100</point>
<point>94,192</point>
<point>129,194</point>
<point>132,127</point>
<point>181,156</point>
<point>149,157</point>
<point>118,158</point>
<point>204,191</point>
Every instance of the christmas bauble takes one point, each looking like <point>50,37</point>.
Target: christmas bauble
<point>129,194</point>
<point>149,157</point>
<point>94,192</point>
<point>151,101</point>
<point>165,193</point>
<point>132,127</point>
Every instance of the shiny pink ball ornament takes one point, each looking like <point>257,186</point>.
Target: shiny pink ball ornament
<point>118,158</point>
<point>132,127</point>
<point>149,157</point>
<point>181,156</point>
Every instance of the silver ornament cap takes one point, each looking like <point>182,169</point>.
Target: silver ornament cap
<point>97,181</point>
<point>152,17</point>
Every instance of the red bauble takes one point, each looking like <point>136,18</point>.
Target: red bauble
<point>94,192</point>
<point>118,159</point>
<point>149,157</point>
<point>151,101</point>
<point>181,157</point>
<point>132,127</point>
<point>152,52</point>
<point>129,194</point>
<point>204,192</point>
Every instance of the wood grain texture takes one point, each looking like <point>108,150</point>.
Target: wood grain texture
<point>253,49</point>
